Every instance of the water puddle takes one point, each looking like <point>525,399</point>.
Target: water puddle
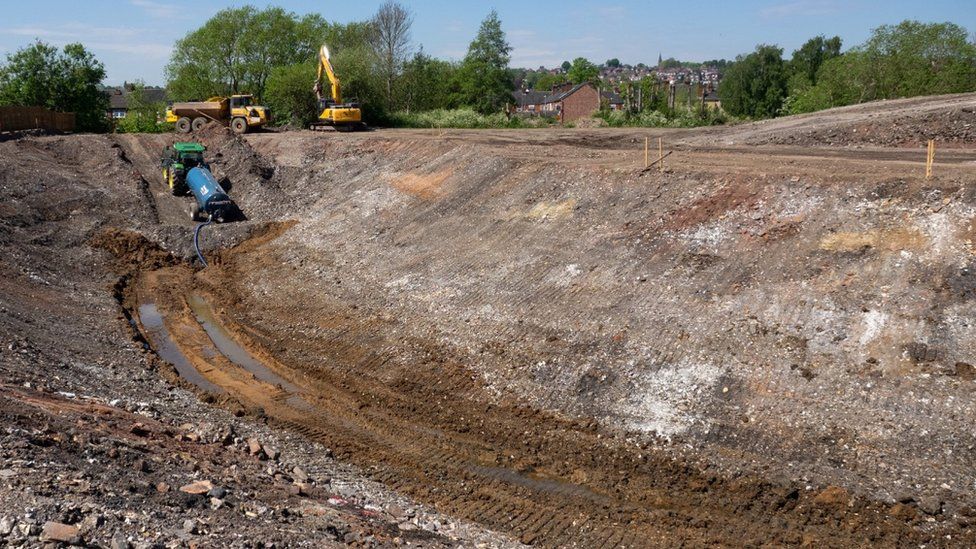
<point>537,484</point>
<point>238,355</point>
<point>167,350</point>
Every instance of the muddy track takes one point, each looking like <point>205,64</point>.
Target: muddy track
<point>549,481</point>
<point>144,158</point>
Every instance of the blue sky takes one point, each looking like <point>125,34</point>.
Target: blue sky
<point>134,37</point>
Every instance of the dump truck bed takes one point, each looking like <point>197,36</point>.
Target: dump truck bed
<point>191,109</point>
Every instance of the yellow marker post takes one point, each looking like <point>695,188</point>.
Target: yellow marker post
<point>930,159</point>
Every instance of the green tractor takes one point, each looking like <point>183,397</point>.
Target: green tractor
<point>178,159</point>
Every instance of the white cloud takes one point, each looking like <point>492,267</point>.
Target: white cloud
<point>159,10</point>
<point>72,31</point>
<point>143,50</point>
<point>97,39</point>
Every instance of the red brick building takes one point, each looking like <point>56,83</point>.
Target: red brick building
<point>566,102</point>
<point>580,101</point>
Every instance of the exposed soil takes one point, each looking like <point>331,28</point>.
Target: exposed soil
<point>948,119</point>
<point>495,337</point>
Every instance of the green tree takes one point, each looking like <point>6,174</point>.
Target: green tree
<point>529,79</point>
<point>812,54</point>
<point>483,79</point>
<point>426,83</point>
<point>583,71</point>
<point>903,60</point>
<point>143,114</point>
<point>66,81</point>
<point>914,58</point>
<point>362,82</point>
<point>236,50</point>
<point>547,81</point>
<point>842,80</point>
<point>614,63</point>
<point>566,66</point>
<point>289,95</point>
<point>755,85</point>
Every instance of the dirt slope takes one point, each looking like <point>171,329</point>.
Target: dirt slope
<point>98,435</point>
<point>759,345</point>
<point>949,119</point>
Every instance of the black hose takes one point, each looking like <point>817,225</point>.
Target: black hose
<point>196,239</point>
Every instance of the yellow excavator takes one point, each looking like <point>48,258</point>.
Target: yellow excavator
<point>335,114</point>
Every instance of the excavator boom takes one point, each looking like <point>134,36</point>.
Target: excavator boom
<point>325,67</point>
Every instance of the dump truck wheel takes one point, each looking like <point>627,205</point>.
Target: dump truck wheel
<point>198,123</point>
<point>183,125</point>
<point>239,125</point>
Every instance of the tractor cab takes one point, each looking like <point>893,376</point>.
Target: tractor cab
<point>177,161</point>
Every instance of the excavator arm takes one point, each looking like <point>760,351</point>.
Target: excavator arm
<point>325,67</point>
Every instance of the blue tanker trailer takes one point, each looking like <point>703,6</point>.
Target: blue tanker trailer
<point>212,201</point>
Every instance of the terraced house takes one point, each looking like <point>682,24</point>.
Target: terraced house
<point>565,102</point>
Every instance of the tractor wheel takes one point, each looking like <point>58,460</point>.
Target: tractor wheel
<point>175,188</point>
<point>239,125</point>
<point>198,123</point>
<point>183,125</point>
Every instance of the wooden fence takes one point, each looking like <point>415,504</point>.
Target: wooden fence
<point>29,118</point>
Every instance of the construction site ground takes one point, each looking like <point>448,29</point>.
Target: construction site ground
<point>497,337</point>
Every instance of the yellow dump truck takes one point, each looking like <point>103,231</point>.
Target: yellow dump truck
<point>236,111</point>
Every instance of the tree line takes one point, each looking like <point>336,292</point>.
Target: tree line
<point>272,54</point>
<point>904,60</point>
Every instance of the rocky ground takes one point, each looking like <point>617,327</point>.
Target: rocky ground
<point>101,443</point>
<point>492,338</point>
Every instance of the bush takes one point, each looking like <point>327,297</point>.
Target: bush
<point>458,118</point>
<point>290,97</point>
<point>139,123</point>
<point>681,118</point>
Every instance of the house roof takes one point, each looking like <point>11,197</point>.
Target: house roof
<point>534,97</point>
<point>559,96</point>
<point>529,97</point>
<point>612,97</point>
<point>118,98</point>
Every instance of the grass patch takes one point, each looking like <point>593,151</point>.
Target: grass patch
<point>463,119</point>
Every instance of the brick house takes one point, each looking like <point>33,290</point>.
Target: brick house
<point>579,101</point>
<point>566,102</point>
<point>529,101</point>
